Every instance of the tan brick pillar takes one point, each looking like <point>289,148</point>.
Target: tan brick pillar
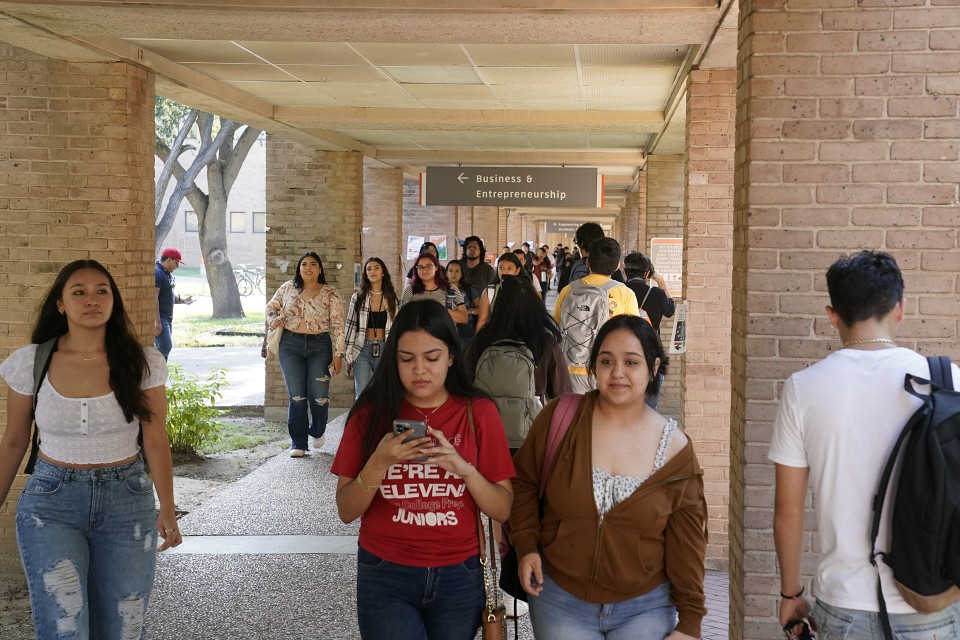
<point>847,138</point>
<point>76,181</point>
<point>642,212</point>
<point>514,229</point>
<point>486,224</point>
<point>382,230</point>
<point>314,203</point>
<point>631,223</point>
<point>707,265</point>
<point>665,187</point>
<point>502,235</point>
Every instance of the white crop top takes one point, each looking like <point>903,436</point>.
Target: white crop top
<point>80,430</point>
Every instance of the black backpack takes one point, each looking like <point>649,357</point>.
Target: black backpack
<point>924,552</point>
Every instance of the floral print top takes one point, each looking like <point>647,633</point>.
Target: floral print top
<point>322,313</point>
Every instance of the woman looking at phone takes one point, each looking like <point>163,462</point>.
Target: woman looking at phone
<point>418,515</point>
<point>620,534</point>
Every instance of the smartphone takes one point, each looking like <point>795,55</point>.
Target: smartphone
<point>414,429</point>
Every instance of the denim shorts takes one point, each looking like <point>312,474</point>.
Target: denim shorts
<point>835,623</point>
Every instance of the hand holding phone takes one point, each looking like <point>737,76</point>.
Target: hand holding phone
<point>414,430</point>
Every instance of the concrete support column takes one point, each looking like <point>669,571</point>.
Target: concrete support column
<point>382,230</point>
<point>847,138</point>
<point>314,203</point>
<point>76,181</point>
<point>707,267</point>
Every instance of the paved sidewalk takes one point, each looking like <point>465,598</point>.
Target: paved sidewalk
<point>268,557</point>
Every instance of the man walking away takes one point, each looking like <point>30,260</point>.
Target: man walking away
<point>654,301</point>
<point>835,427</point>
<point>169,261</point>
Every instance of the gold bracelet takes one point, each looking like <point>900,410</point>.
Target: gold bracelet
<point>368,487</point>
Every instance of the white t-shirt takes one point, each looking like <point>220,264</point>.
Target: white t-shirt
<point>841,418</point>
<point>80,430</point>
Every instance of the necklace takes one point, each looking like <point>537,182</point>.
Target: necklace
<point>869,341</point>
<point>426,415</point>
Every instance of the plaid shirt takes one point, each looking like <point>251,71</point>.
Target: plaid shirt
<point>356,326</point>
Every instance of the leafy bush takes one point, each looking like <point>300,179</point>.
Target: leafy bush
<point>191,413</point>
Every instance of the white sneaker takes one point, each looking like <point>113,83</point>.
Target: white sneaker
<point>318,442</point>
<point>297,453</point>
<point>522,607</point>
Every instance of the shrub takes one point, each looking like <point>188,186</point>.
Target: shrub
<point>191,412</point>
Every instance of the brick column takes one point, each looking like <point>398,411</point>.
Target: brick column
<point>76,181</point>
<point>314,203</point>
<point>642,212</point>
<point>631,223</point>
<point>514,230</point>
<point>847,138</point>
<point>486,224</point>
<point>502,235</point>
<point>665,186</point>
<point>707,265</point>
<point>382,231</point>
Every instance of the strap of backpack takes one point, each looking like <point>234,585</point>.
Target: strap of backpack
<point>647,295</point>
<point>559,425</point>
<point>41,363</point>
<point>941,373</point>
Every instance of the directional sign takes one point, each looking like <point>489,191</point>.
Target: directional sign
<point>557,187</point>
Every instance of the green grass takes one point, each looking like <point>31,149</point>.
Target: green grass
<point>244,435</point>
<point>204,331</point>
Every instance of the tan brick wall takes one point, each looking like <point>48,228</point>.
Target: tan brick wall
<point>382,230</point>
<point>631,222</point>
<point>847,138</point>
<point>502,235</point>
<point>314,203</point>
<point>642,212</point>
<point>665,187</point>
<point>707,266</point>
<point>76,181</point>
<point>427,221</point>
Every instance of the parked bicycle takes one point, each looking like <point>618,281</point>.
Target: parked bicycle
<point>250,279</point>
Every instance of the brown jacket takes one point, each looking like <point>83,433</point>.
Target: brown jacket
<point>657,534</point>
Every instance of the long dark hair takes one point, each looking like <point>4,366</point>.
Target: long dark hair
<point>649,341</point>
<point>386,287</point>
<point>380,402</point>
<point>124,353</point>
<point>518,315</point>
<point>439,278</point>
<point>298,279</point>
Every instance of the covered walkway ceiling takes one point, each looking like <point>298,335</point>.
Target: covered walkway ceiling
<point>415,82</point>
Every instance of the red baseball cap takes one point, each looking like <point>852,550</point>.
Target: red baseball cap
<point>173,254</point>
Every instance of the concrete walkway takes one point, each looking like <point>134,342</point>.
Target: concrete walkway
<point>269,558</point>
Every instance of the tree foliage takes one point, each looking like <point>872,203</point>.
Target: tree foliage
<point>221,147</point>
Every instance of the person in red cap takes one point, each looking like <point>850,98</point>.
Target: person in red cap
<point>169,260</point>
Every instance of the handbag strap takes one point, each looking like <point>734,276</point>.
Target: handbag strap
<point>488,561</point>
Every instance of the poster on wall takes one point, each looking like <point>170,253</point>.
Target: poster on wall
<point>666,255</point>
<point>413,246</point>
<point>441,242</point>
<point>678,338</point>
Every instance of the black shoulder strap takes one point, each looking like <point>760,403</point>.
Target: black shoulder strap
<point>941,373</point>
<point>41,362</point>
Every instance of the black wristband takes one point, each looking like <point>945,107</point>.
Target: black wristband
<point>786,597</point>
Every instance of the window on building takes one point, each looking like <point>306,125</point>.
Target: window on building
<point>190,220</point>
<point>238,221</point>
<point>259,222</point>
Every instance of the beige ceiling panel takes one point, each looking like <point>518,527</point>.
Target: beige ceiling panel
<point>617,142</point>
<point>322,53</point>
<point>441,140</point>
<point>196,50</point>
<point>236,72</point>
<point>369,95</point>
<point>502,141</point>
<point>541,104</point>
<point>461,92</point>
<point>558,141</point>
<point>631,55</point>
<point>413,55</point>
<point>630,98</point>
<point>287,93</point>
<point>433,75</point>
<point>460,104</point>
<point>644,77</point>
<point>515,92</point>
<point>381,139</point>
<point>531,75</point>
<point>329,73</point>
<point>518,55</point>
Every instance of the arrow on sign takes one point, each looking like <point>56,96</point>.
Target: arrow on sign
<point>462,178</point>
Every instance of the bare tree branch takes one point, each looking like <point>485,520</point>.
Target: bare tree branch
<point>173,157</point>
<point>239,155</point>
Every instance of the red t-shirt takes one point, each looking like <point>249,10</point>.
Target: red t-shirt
<point>423,515</point>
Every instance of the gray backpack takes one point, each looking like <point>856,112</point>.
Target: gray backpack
<point>505,372</point>
<point>583,312</point>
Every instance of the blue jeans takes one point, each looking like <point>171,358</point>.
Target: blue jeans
<point>88,542</point>
<point>834,623</point>
<point>164,341</point>
<point>558,615</point>
<point>305,363</point>
<point>398,602</point>
<point>364,366</point>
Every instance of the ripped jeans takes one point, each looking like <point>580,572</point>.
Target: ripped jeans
<point>88,542</point>
<point>305,362</point>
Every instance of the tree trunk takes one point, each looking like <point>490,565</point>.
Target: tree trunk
<point>213,243</point>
